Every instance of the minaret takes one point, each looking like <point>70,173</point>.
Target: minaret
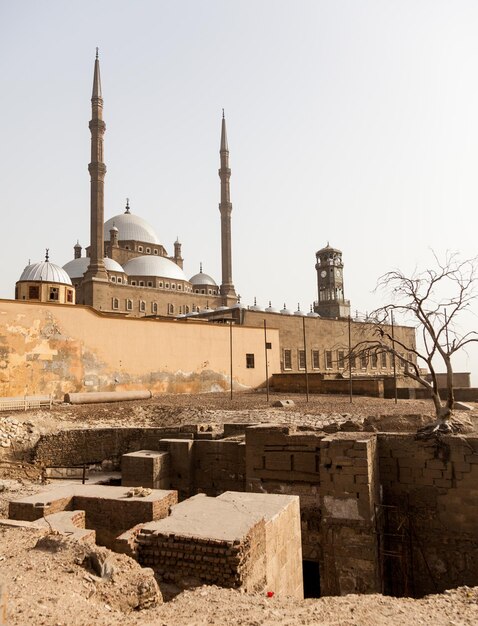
<point>97,169</point>
<point>225,207</point>
<point>178,259</point>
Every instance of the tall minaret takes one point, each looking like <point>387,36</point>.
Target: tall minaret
<point>225,207</point>
<point>97,169</point>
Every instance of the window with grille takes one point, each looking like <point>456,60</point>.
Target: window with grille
<point>328,359</point>
<point>340,359</point>
<point>315,360</point>
<point>302,359</point>
<point>250,361</point>
<point>287,359</point>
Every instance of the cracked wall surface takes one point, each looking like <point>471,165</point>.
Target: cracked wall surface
<point>54,349</point>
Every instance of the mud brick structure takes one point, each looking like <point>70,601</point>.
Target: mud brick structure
<point>108,510</point>
<point>149,468</point>
<point>380,512</point>
<point>239,540</point>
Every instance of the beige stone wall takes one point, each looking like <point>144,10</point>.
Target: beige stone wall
<point>324,335</point>
<point>56,349</point>
<point>104,294</point>
<point>23,291</point>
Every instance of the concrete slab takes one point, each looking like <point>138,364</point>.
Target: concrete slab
<point>268,505</point>
<point>207,518</point>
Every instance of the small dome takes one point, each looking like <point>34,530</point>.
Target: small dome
<point>76,268</point>
<point>270,308</point>
<point>46,272</point>
<point>130,228</point>
<point>158,266</point>
<point>114,229</point>
<point>285,311</point>
<point>202,279</point>
<point>255,306</point>
<point>312,313</point>
<point>299,312</point>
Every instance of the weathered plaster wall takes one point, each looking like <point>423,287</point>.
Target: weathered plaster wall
<point>47,348</point>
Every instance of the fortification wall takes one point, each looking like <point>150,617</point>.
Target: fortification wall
<point>55,349</point>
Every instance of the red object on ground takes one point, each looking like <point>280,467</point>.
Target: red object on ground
<point>270,594</point>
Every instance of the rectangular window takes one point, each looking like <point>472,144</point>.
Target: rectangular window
<point>69,295</point>
<point>34,293</point>
<point>328,359</point>
<point>363,361</point>
<point>341,359</point>
<point>384,359</point>
<point>268,345</point>
<point>315,360</point>
<point>302,359</point>
<point>287,359</point>
<point>150,283</point>
<point>250,361</point>
<point>54,293</point>
<point>353,361</point>
<point>142,306</point>
<point>374,360</point>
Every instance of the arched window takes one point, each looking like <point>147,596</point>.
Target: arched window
<point>115,303</point>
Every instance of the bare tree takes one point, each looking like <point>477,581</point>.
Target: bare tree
<point>433,301</point>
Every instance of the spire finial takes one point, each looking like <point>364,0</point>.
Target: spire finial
<point>47,256</point>
<point>127,206</point>
<point>97,52</point>
<point>255,301</point>
<point>200,267</point>
<point>223,116</point>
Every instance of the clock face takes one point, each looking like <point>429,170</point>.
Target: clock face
<point>323,273</point>
<point>338,273</point>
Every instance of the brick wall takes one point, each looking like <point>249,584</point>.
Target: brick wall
<point>174,557</point>
<point>431,489</point>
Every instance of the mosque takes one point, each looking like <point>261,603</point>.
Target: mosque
<point>127,270</point>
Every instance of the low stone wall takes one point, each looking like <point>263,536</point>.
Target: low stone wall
<point>296,383</point>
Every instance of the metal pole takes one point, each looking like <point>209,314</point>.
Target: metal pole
<point>267,367</point>
<point>350,361</point>
<point>230,351</point>
<point>393,358</point>
<point>305,362</point>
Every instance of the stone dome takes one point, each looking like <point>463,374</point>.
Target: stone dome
<point>158,266</point>
<point>130,228</point>
<point>77,267</point>
<point>46,272</point>
<point>202,279</point>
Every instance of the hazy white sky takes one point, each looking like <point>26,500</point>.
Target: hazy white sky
<point>353,122</point>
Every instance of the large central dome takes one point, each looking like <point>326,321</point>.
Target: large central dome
<point>131,228</point>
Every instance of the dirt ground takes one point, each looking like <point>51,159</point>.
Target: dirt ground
<point>53,583</point>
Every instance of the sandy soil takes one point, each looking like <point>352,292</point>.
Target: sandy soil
<point>53,583</point>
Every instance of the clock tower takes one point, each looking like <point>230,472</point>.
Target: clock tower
<point>330,282</point>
